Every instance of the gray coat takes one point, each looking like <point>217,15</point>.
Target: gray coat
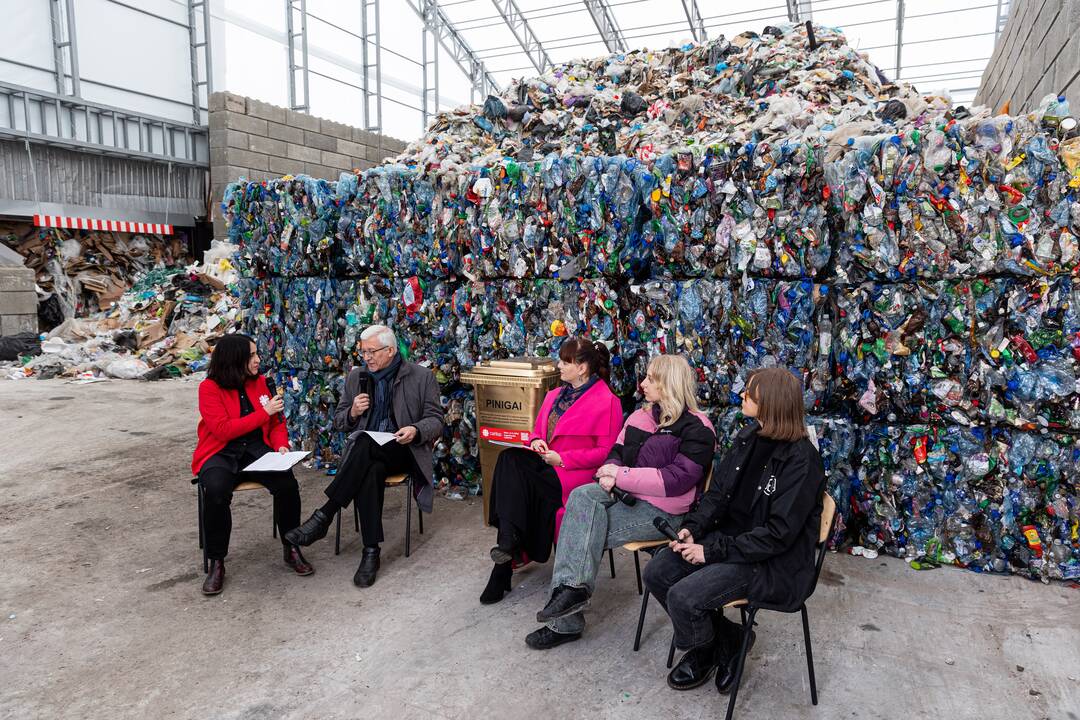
<point>416,403</point>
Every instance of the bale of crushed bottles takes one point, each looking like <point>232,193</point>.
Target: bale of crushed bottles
<point>984,351</point>
<point>990,500</point>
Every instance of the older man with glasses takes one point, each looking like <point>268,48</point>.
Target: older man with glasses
<point>388,395</point>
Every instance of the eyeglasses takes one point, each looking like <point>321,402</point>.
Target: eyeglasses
<point>371,353</point>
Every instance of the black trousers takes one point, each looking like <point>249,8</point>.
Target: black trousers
<point>691,594</point>
<point>361,478</point>
<point>221,474</point>
<point>525,496</point>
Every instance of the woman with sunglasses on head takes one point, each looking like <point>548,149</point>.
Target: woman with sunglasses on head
<point>660,459</point>
<point>575,429</point>
<point>751,536</point>
<point>241,420</point>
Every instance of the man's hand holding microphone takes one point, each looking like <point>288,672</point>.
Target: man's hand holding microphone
<point>360,405</point>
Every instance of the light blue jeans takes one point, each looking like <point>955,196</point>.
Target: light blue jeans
<point>593,522</point>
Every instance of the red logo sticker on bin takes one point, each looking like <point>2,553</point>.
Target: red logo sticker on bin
<point>503,434</point>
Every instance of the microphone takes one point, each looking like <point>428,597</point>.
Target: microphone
<point>665,528</point>
<point>621,495</point>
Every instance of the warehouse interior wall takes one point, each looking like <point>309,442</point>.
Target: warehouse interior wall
<point>1038,53</point>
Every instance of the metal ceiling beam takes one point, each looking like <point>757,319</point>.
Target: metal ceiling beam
<point>523,33</point>
<point>456,46</point>
<point>429,66</point>
<point>899,36</point>
<point>697,24</point>
<point>606,25</point>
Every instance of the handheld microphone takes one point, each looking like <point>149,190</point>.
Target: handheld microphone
<point>665,528</point>
<point>621,495</point>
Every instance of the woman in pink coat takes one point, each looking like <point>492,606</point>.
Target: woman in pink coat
<point>575,430</point>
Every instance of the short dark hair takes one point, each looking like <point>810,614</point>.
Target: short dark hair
<point>593,354</point>
<point>779,397</point>
<point>229,361</point>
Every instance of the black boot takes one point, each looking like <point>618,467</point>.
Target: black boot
<point>729,638</point>
<point>215,579</point>
<point>369,565</point>
<point>565,600</point>
<point>312,529</point>
<point>498,584</point>
<point>694,669</point>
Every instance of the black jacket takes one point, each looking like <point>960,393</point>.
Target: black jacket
<point>786,516</point>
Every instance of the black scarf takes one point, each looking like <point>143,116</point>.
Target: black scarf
<point>567,397</point>
<point>382,415</point>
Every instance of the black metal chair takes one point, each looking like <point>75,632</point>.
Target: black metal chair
<point>406,480</point>
<point>247,485</point>
<point>749,610</point>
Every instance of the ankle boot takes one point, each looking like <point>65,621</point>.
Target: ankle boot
<point>215,579</point>
<point>498,584</point>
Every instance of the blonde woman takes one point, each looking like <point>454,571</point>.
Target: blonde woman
<point>660,460</point>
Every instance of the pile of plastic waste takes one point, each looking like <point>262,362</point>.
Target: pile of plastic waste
<point>769,200</point>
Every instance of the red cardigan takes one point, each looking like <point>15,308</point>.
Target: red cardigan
<point>221,421</point>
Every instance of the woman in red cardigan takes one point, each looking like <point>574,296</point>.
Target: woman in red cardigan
<point>575,430</point>
<point>241,421</point>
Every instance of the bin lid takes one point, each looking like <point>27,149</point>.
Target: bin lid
<point>523,368</point>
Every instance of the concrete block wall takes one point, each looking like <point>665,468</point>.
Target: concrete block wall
<point>18,301</point>
<point>1037,53</point>
<point>259,141</point>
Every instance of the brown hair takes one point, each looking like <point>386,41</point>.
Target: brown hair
<point>593,354</point>
<point>779,397</point>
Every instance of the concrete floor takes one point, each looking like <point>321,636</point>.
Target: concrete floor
<point>102,616</point>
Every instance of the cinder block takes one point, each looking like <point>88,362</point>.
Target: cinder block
<point>15,324</point>
<point>317,170</point>
<point>224,174</point>
<point>248,159</point>
<point>277,131</point>
<point>348,147</point>
<point>376,155</point>
<point>285,166</point>
<point>235,103</point>
<point>335,160</point>
<point>358,161</point>
<point>228,138</point>
<point>320,141</point>
<point>303,153</point>
<point>244,123</point>
<point>268,146</point>
<point>266,111</point>
<point>16,278</point>
<point>364,137</point>
<point>301,120</point>
<point>335,129</point>
<point>217,102</point>
<point>18,302</point>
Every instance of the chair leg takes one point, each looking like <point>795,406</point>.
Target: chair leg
<point>202,541</point>
<point>809,655</point>
<point>356,516</point>
<point>641,621</point>
<point>420,518</point>
<point>337,534</point>
<point>274,520</point>
<point>637,571</point>
<point>408,514</point>
<point>611,561</point>
<point>747,628</point>
<point>671,652</point>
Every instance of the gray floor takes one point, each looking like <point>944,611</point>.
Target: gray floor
<point>102,616</point>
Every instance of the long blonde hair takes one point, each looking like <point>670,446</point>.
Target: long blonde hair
<point>677,383</point>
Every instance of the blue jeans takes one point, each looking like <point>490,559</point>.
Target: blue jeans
<point>593,522</point>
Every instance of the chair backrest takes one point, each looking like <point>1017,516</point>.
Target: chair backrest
<point>828,518</point>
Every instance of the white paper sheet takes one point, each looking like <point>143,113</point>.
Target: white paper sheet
<point>275,461</point>
<point>380,437</point>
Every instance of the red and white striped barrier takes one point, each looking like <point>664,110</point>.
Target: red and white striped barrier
<point>74,223</point>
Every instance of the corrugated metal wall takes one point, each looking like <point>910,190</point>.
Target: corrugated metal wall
<point>77,183</point>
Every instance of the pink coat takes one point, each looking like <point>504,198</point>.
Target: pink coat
<point>583,436</point>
